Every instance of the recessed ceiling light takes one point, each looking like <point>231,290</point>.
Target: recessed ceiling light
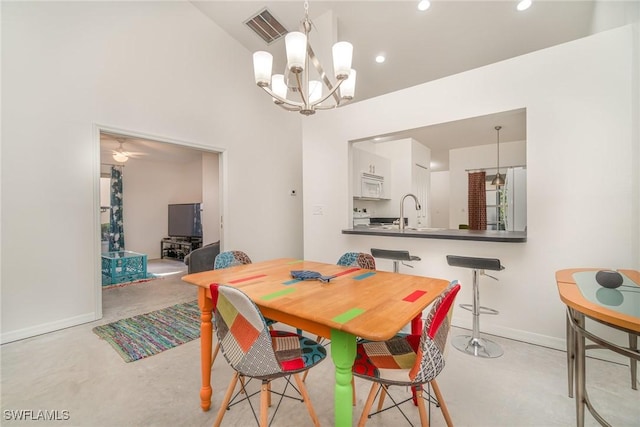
<point>424,5</point>
<point>380,59</point>
<point>523,5</point>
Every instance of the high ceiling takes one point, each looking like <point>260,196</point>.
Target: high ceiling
<point>452,36</point>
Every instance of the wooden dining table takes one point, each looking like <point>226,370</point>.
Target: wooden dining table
<point>617,308</point>
<point>356,302</point>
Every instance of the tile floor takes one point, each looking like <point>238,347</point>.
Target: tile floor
<point>73,370</point>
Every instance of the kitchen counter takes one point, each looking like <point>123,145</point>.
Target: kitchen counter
<point>441,233</point>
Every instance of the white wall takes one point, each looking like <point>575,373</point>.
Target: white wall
<point>158,68</point>
<point>404,154</point>
<point>399,154</point>
<point>148,188</point>
<point>210,198</point>
<point>440,199</point>
<point>582,125</point>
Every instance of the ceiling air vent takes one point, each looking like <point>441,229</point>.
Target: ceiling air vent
<point>266,26</point>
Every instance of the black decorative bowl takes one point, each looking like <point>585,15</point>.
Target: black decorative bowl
<point>609,279</point>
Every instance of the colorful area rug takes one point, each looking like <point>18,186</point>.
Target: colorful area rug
<point>147,334</point>
<point>149,278</point>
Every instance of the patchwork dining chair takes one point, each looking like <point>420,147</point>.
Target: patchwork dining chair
<point>256,352</point>
<point>357,259</point>
<point>230,259</point>
<point>225,260</point>
<point>409,361</point>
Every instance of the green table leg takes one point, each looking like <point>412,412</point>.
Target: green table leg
<point>343,353</point>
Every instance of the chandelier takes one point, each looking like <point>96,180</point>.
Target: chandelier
<point>296,79</point>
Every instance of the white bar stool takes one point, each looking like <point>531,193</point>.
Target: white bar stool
<point>473,344</point>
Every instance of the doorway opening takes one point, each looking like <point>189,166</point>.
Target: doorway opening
<point>153,173</point>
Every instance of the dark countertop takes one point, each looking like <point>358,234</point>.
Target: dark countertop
<point>439,233</point>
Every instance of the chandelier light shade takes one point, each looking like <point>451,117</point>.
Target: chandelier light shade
<point>310,94</point>
<point>342,55</point>
<point>348,88</point>
<point>296,45</point>
<point>262,64</point>
<point>279,87</point>
<point>498,180</point>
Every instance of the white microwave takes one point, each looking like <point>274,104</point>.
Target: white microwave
<point>372,186</point>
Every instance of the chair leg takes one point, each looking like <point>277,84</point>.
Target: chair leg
<point>633,364</point>
<point>215,353</point>
<point>443,406</point>
<point>242,390</point>
<point>353,390</point>
<point>264,403</point>
<point>217,347</point>
<point>307,401</point>
<point>424,419</point>
<point>226,400</point>
<point>368,404</point>
<point>383,394</point>
<point>571,356</point>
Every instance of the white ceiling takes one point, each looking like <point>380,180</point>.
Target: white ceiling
<point>452,36</point>
<point>470,132</point>
<point>144,149</point>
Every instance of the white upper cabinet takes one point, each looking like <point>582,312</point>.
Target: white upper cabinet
<point>370,163</point>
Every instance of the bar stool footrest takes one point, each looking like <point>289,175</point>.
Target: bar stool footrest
<point>479,347</point>
<point>482,309</point>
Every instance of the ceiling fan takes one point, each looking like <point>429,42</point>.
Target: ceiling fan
<point>120,154</point>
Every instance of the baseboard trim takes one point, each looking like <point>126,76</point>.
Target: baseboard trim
<point>20,334</point>
<point>543,341</point>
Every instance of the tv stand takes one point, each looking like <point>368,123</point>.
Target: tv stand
<point>178,247</point>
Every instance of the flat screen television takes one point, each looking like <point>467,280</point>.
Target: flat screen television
<point>184,220</point>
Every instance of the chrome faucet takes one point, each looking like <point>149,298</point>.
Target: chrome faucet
<point>418,207</point>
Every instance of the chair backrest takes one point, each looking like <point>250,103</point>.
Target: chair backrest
<point>202,259</point>
<point>230,259</point>
<point>430,354</point>
<point>357,259</point>
<point>242,332</point>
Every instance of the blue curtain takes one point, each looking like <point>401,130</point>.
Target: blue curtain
<point>116,229</point>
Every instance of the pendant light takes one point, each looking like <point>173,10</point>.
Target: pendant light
<point>498,180</point>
